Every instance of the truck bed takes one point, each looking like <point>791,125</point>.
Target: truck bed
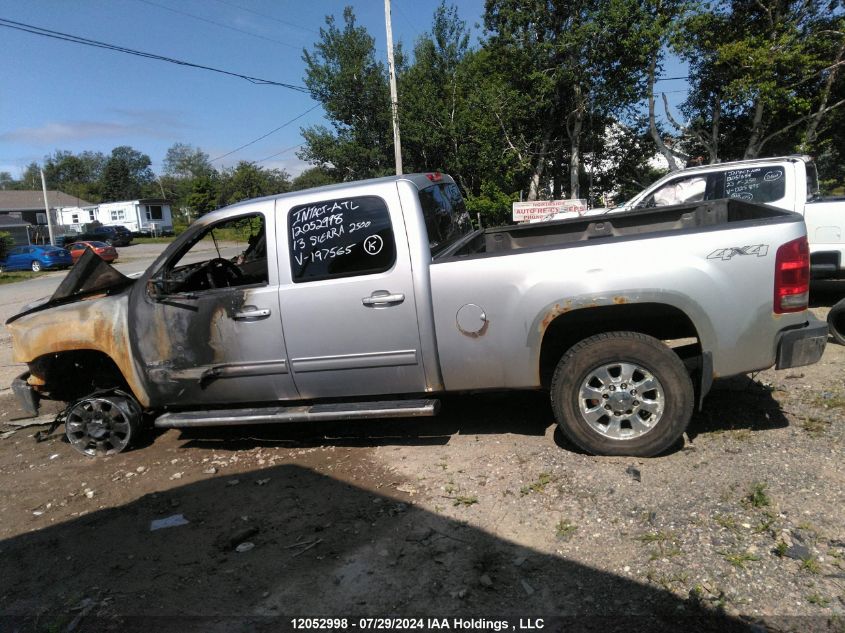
<point>694,217</point>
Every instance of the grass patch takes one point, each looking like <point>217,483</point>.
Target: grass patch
<point>152,240</point>
<point>835,401</point>
<point>20,275</point>
<point>815,426</point>
<point>465,501</point>
<point>655,537</point>
<point>781,548</point>
<point>666,546</point>
<point>727,522</point>
<point>811,565</point>
<point>766,522</point>
<point>818,600</point>
<point>739,559</point>
<point>757,496</point>
<point>564,530</point>
<point>543,480</point>
<point>668,581</point>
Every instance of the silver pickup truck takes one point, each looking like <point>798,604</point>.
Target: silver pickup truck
<point>367,299</point>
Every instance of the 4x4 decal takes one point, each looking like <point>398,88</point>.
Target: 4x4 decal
<point>760,250</point>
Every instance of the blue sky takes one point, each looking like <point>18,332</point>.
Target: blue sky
<point>58,95</point>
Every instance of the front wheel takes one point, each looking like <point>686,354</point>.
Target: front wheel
<point>36,266</point>
<point>622,393</point>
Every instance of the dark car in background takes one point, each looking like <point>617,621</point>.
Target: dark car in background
<point>36,258</point>
<point>112,235</point>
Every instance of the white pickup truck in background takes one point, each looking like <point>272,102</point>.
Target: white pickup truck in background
<point>786,182</point>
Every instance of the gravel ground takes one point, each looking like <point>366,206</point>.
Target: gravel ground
<point>483,512</point>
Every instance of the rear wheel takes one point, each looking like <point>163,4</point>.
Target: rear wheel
<point>836,322</point>
<point>622,393</point>
<point>36,266</point>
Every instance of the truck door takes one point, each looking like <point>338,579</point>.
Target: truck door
<point>206,327</point>
<point>349,311</point>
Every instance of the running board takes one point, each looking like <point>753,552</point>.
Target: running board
<point>305,413</point>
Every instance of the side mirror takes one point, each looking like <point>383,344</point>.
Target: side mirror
<point>157,288</point>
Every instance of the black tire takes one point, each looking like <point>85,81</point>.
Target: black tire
<point>672,397</point>
<point>35,266</point>
<point>836,322</point>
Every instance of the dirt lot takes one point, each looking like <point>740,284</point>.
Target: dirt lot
<point>483,512</point>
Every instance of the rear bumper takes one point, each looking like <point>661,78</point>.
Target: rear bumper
<point>27,397</point>
<point>802,346</point>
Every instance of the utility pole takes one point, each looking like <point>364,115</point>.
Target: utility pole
<point>394,100</point>
<point>47,208</point>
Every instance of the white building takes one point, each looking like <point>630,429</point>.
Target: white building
<point>148,215</point>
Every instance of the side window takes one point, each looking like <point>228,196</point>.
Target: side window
<point>680,191</point>
<point>444,212</point>
<point>227,254</point>
<point>340,238</point>
<point>757,184</point>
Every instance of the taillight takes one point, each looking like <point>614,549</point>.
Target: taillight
<point>792,276</point>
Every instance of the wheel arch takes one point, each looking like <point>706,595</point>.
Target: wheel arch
<point>662,321</point>
<point>73,374</point>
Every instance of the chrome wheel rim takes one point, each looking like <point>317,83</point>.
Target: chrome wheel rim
<point>621,401</point>
<point>98,426</point>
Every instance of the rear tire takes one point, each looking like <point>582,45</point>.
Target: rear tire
<point>622,393</point>
<point>836,322</point>
<point>36,266</point>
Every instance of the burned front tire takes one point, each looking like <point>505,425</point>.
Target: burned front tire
<point>622,393</point>
<point>103,424</point>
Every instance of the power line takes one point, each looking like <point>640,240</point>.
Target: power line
<point>263,136</point>
<point>220,24</point>
<point>269,17</point>
<point>670,78</point>
<point>76,39</point>
<point>287,149</point>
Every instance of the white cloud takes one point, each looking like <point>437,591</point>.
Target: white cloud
<point>145,123</point>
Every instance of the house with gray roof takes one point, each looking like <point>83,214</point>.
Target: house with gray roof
<point>28,204</point>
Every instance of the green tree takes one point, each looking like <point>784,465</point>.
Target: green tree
<point>343,75</point>
<point>247,181</point>
<point>6,180</point>
<point>31,178</point>
<point>186,162</point>
<point>127,175</point>
<point>204,195</point>
<point>76,174</point>
<point>313,177</point>
<point>579,60</point>
<point>763,72</point>
<point>432,97</point>
<point>116,182</point>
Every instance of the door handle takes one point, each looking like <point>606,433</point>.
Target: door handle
<point>383,298</point>
<point>252,313</point>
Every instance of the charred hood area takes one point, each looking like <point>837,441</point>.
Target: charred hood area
<point>91,275</point>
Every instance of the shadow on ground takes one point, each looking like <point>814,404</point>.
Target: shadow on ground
<point>736,403</point>
<point>321,548</point>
